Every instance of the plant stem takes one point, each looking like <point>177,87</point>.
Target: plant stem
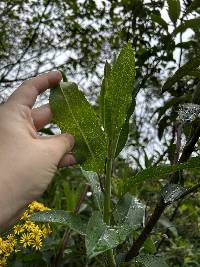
<point>67,233</point>
<point>107,195</point>
<point>107,198</point>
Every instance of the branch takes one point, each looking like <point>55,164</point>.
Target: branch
<point>29,44</point>
<point>160,207</point>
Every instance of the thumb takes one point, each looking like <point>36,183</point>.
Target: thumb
<point>59,145</point>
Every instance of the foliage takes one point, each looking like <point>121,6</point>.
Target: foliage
<point>104,207</point>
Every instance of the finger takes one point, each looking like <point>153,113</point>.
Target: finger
<point>58,146</point>
<point>28,91</point>
<point>67,160</point>
<point>41,116</point>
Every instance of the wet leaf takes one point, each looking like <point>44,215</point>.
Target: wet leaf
<point>116,94</point>
<point>129,212</point>
<point>181,72</point>
<point>93,180</point>
<point>174,10</point>
<point>171,192</point>
<point>73,114</point>
<point>101,237</point>
<point>62,217</point>
<point>151,261</point>
<point>189,112</point>
<point>159,171</point>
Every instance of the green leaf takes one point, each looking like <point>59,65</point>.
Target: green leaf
<point>73,114</point>
<point>181,72</point>
<point>195,73</point>
<point>168,225</point>
<point>151,261</point>
<point>107,70</point>
<point>194,6</point>
<point>62,217</point>
<point>172,192</point>
<point>174,10</point>
<point>101,237</point>
<point>149,245</point>
<point>125,129</point>
<point>129,213</point>
<point>159,20</point>
<point>191,23</point>
<point>116,95</point>
<point>158,171</point>
<point>93,181</point>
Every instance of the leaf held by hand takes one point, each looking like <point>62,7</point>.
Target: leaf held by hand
<point>74,114</point>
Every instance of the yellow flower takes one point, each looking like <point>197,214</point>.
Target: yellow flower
<point>37,243</point>
<point>11,238</point>
<point>36,206</point>
<point>46,230</point>
<point>18,229</point>
<point>26,240</point>
<point>3,262</point>
<point>36,231</point>
<point>25,215</point>
<point>28,225</point>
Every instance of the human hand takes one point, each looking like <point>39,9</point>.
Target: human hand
<point>28,161</point>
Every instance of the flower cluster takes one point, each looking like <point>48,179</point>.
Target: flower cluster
<point>24,234</point>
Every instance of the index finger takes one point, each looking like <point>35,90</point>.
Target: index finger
<point>28,91</point>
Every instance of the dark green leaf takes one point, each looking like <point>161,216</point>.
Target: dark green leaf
<point>75,115</point>
<point>116,96</point>
<point>174,10</point>
<point>181,72</point>
<point>93,181</point>
<point>62,217</point>
<point>158,19</point>
<point>151,261</point>
<point>191,23</point>
<point>194,6</point>
<point>159,171</point>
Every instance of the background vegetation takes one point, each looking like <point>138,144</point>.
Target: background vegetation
<point>78,37</point>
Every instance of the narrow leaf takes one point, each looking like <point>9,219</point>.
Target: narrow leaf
<point>107,70</point>
<point>174,10</point>
<point>73,114</point>
<point>181,72</point>
<point>93,181</point>
<point>159,171</point>
<point>151,261</point>
<point>60,216</point>
<point>117,93</point>
<point>191,23</point>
